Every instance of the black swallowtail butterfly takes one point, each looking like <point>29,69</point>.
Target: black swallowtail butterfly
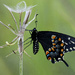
<point>54,44</point>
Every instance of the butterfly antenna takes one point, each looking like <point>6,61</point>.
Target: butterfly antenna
<point>65,62</point>
<point>36,20</point>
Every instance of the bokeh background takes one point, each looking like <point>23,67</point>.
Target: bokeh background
<point>54,15</point>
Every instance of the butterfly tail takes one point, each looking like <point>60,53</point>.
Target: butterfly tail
<point>65,62</point>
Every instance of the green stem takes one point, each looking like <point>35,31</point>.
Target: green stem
<point>20,46</point>
<point>21,65</point>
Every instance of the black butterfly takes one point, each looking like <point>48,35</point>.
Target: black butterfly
<point>54,44</point>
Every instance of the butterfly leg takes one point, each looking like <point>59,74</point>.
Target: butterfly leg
<point>28,42</point>
<point>27,39</point>
<point>28,45</point>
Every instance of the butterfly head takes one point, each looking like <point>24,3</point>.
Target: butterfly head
<point>34,29</point>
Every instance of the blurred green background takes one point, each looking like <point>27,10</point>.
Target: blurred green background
<point>54,15</point>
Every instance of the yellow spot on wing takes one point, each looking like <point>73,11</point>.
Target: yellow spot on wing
<point>52,40</point>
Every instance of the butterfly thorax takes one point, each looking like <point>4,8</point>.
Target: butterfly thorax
<point>34,34</point>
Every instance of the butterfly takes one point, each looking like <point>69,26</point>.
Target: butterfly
<point>54,44</point>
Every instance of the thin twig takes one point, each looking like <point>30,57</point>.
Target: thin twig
<point>14,20</point>
<point>14,40</point>
<point>11,27</point>
<point>20,21</point>
<point>8,27</point>
<point>11,53</point>
<point>9,43</point>
<point>27,15</point>
<point>3,46</point>
<point>27,53</point>
<point>29,22</point>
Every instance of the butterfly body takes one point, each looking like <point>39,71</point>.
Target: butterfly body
<point>54,44</point>
<point>34,37</point>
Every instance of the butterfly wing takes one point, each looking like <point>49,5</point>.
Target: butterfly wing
<point>56,44</point>
<point>45,38</point>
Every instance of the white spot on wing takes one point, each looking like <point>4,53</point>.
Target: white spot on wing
<point>69,38</point>
<point>70,48</point>
<point>73,42</point>
<point>59,58</point>
<point>63,41</point>
<point>73,47</point>
<point>66,43</point>
<point>66,49</point>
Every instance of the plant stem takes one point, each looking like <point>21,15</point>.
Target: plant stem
<point>21,65</point>
<point>20,46</point>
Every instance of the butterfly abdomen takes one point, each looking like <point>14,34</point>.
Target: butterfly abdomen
<point>35,47</point>
<point>34,37</point>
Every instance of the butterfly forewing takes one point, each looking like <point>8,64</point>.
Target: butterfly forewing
<point>45,39</point>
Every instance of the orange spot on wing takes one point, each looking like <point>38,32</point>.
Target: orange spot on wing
<point>47,52</point>
<point>59,39</point>
<point>54,43</point>
<point>49,58</point>
<point>53,49</point>
<point>62,44</point>
<point>53,37</point>
<point>61,54</point>
<point>62,50</point>
<point>49,49</point>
